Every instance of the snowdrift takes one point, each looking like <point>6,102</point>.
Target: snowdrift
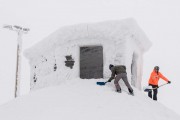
<point>82,99</point>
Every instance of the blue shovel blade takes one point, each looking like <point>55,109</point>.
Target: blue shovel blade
<point>101,83</point>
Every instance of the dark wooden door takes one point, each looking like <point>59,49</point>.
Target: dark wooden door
<point>91,62</point>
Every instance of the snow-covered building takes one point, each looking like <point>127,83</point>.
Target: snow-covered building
<point>86,50</point>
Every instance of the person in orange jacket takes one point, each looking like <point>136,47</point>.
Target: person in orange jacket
<point>153,81</point>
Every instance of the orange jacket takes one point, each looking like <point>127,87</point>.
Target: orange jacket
<point>154,78</point>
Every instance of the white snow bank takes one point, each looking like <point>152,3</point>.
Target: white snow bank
<point>84,100</point>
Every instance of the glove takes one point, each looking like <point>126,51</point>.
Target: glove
<point>109,81</point>
<point>169,82</point>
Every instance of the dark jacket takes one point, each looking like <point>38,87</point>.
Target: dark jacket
<point>117,70</point>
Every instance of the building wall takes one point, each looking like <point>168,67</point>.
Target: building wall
<point>123,43</point>
<point>114,52</point>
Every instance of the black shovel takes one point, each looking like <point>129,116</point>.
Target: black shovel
<point>148,89</point>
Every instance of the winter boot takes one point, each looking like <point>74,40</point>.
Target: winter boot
<point>119,91</point>
<point>131,92</point>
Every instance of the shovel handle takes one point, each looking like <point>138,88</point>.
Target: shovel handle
<point>160,86</point>
<point>163,84</point>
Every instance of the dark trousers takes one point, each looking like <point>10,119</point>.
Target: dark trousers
<point>155,91</point>
<point>125,79</point>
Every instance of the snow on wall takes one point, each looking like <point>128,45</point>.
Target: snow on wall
<point>123,43</point>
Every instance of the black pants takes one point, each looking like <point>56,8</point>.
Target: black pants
<point>155,91</point>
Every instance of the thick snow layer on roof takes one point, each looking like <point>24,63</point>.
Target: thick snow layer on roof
<point>115,30</point>
<point>83,100</point>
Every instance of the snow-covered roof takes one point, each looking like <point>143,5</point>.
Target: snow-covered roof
<point>107,29</point>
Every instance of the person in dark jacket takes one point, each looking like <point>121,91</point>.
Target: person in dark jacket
<point>119,72</point>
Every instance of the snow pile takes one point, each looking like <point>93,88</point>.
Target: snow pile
<point>84,100</point>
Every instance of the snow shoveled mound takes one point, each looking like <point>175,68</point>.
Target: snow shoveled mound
<point>84,100</point>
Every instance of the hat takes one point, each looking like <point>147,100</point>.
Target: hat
<point>110,66</point>
<point>156,67</point>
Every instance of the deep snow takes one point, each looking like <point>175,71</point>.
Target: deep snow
<point>82,99</point>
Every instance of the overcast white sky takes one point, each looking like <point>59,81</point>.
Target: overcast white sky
<point>160,20</point>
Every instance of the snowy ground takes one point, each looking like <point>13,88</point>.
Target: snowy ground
<point>83,100</point>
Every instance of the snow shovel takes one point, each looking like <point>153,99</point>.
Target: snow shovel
<point>101,83</point>
<point>148,89</point>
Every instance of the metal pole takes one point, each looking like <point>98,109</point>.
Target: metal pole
<point>20,32</point>
<point>18,64</point>
<point>16,81</point>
